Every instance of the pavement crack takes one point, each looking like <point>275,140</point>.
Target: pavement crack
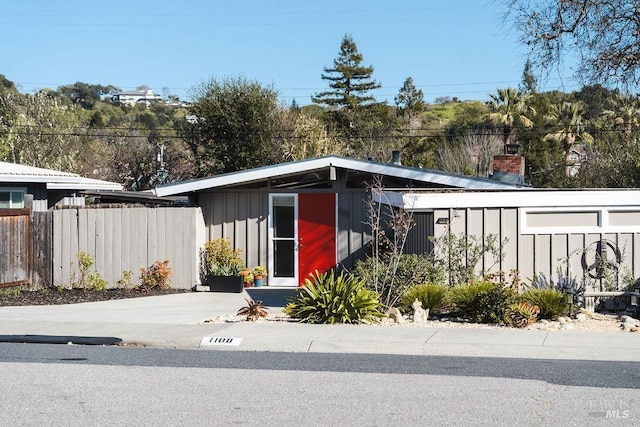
<point>432,335</point>
<point>545,339</point>
<point>314,339</point>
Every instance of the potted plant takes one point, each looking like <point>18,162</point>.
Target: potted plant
<point>220,266</point>
<point>248,280</point>
<point>259,273</point>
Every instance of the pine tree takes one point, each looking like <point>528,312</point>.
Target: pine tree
<point>529,81</point>
<point>410,100</point>
<point>350,82</point>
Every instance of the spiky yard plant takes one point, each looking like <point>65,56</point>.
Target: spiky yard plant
<point>432,296</point>
<point>333,297</point>
<point>253,310</point>
<point>552,303</point>
<point>521,314</point>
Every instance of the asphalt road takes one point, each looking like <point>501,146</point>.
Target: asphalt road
<point>604,374</point>
<point>79,385</point>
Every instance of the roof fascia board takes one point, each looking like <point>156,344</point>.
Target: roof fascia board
<point>39,179</point>
<point>243,176</point>
<point>425,175</point>
<point>13,172</point>
<point>85,185</point>
<point>521,198</point>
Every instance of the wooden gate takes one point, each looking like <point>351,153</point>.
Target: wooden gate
<point>25,248</point>
<point>14,247</point>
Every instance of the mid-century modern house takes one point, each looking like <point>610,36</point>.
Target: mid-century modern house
<point>311,214</point>
<point>305,215</point>
<point>296,217</point>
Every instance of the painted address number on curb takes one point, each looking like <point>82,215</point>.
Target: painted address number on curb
<point>220,341</point>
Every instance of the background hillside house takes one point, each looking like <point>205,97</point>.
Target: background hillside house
<point>134,97</point>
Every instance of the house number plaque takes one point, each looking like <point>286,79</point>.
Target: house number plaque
<point>223,341</point>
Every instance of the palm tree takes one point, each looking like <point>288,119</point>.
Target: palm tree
<point>566,118</point>
<point>626,112</point>
<point>510,107</point>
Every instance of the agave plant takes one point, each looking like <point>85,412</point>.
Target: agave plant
<point>335,298</point>
<point>521,314</point>
<point>253,310</point>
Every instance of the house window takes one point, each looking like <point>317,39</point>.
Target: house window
<point>11,198</point>
<point>586,220</point>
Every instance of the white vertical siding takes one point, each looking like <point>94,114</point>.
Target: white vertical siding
<point>532,253</point>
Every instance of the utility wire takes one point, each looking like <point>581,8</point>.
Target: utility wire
<point>436,132</point>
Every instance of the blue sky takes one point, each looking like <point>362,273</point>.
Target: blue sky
<point>458,48</point>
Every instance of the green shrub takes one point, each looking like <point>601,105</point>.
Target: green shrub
<point>97,282</point>
<point>125,282</point>
<point>218,258</point>
<point>390,277</point>
<point>433,297</point>
<point>461,254</point>
<point>335,298</point>
<point>85,261</point>
<point>552,303</point>
<point>482,302</point>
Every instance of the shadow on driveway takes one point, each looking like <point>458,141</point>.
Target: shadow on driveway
<point>271,297</point>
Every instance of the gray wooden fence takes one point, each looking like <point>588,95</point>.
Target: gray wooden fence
<point>126,239</point>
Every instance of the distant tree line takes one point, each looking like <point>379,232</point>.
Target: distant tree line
<point>236,123</point>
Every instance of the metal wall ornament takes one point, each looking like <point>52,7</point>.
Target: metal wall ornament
<point>605,256</point>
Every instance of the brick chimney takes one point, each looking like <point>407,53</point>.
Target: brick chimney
<point>509,163</point>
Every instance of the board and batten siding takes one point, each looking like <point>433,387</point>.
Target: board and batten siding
<point>354,232</point>
<point>127,239</point>
<point>480,222</point>
<point>545,231</point>
<point>243,219</point>
<point>240,217</point>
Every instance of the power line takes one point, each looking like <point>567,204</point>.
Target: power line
<point>437,132</point>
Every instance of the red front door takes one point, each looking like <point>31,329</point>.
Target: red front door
<point>316,233</point>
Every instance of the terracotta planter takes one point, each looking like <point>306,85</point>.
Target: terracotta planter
<point>225,283</point>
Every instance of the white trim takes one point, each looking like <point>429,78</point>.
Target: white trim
<point>54,180</point>
<point>283,281</point>
<point>602,227</point>
<point>335,227</point>
<point>85,184</point>
<point>522,198</point>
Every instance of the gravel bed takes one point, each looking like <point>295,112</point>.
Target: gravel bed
<point>586,321</point>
